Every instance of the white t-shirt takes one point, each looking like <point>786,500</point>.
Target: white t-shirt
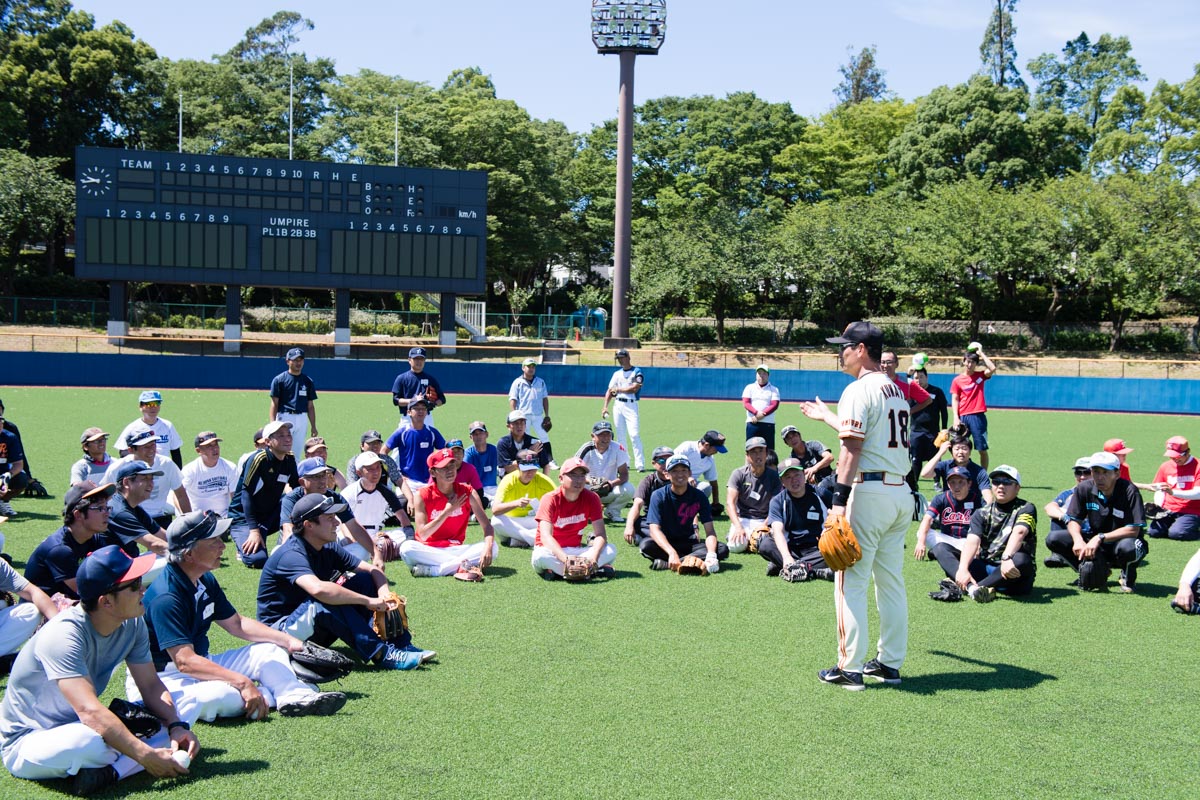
<point>168,438</point>
<point>604,465</point>
<point>874,409</point>
<point>760,397</point>
<point>164,484</point>
<point>210,488</point>
<point>703,467</point>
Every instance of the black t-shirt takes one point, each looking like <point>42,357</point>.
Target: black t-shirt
<point>802,518</point>
<point>1106,514</point>
<point>933,417</point>
<point>646,487</point>
<point>813,452</point>
<point>507,449</point>
<point>994,524</point>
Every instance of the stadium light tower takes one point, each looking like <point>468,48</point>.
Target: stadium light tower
<point>627,29</point>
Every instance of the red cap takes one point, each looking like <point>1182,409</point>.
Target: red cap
<point>1176,446</point>
<point>440,458</point>
<point>1117,447</point>
<point>571,464</point>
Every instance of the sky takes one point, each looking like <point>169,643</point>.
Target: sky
<point>539,52</point>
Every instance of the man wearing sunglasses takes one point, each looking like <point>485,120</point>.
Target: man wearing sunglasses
<point>167,440</point>
<point>999,553</point>
<point>637,527</point>
<point>1056,510</point>
<point>54,562</point>
<point>181,608</point>
<point>1112,507</point>
<point>52,723</point>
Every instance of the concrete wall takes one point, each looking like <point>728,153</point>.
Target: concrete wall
<point>226,372</point>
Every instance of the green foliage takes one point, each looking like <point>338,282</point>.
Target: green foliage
<point>997,52</point>
<point>1159,133</point>
<point>1088,76</point>
<point>34,204</point>
<point>862,79</point>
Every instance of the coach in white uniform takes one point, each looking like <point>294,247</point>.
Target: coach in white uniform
<point>293,400</point>
<point>872,423</point>
<point>529,394</point>
<point>625,387</point>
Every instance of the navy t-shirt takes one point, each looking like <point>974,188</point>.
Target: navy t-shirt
<point>675,513</point>
<point>953,516</point>
<point>410,384</point>
<point>179,613</point>
<point>57,559</point>
<point>10,449</point>
<point>295,392</point>
<point>278,594</point>
<point>802,517</point>
<point>127,525</point>
<point>978,474</point>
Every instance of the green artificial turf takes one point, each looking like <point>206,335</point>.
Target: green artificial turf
<point>652,685</point>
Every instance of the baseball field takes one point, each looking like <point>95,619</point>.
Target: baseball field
<point>653,685</point>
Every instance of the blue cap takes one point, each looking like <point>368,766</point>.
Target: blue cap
<point>141,436</point>
<point>716,439</point>
<point>311,466</point>
<point>108,567</point>
<point>150,396</point>
<point>132,468</point>
<point>961,472</point>
<point>295,352</point>
<point>416,352</point>
<point>675,461</point>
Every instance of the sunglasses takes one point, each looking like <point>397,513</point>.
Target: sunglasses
<point>134,585</point>
<point>1080,472</point>
<point>660,461</point>
<point>1003,482</point>
<point>151,405</point>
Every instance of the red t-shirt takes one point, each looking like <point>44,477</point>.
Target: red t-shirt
<point>453,531</point>
<point>968,390</point>
<point>468,474</point>
<point>568,520</point>
<point>912,391</point>
<point>1182,477</point>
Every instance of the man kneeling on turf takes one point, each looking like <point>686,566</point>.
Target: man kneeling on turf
<point>307,590</point>
<point>796,517</point>
<point>562,516</point>
<point>672,517</point>
<point>1000,549</point>
<point>181,607</point>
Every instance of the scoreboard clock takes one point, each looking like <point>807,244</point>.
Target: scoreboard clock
<point>180,218</point>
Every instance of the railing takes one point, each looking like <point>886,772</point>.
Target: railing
<point>211,343</point>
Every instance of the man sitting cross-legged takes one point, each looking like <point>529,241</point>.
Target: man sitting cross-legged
<point>562,517</point>
<point>796,517</point>
<point>674,510</point>
<point>181,607</point>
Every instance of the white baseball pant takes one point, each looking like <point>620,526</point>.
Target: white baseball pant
<point>625,422</point>
<point>747,526</point>
<point>542,559</point>
<point>521,528</point>
<point>17,624</point>
<point>444,560</point>
<point>299,431</point>
<point>63,751</point>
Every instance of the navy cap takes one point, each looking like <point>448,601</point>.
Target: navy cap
<point>622,353</point>
<point>141,436</point>
<point>604,426</point>
<point>295,352</point>
<point>716,439</point>
<point>85,492</point>
<point>313,506</point>
<point>676,461</point>
<point>961,472</point>
<point>132,468</point>
<point>106,568</point>
<point>859,333</point>
<point>416,352</point>
<point>195,527</point>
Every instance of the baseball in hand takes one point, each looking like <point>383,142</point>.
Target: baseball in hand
<point>182,758</point>
<point>256,713</point>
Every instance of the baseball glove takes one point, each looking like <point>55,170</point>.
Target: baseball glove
<point>431,395</point>
<point>692,565</point>
<point>392,624</point>
<point>1154,512</point>
<point>717,509</point>
<point>35,489</point>
<point>941,438</point>
<point>316,664</point>
<point>795,572</point>
<point>7,600</point>
<point>137,719</point>
<point>387,547</point>
<point>546,424</point>
<point>755,535</point>
<point>1094,573</point>
<point>578,568</point>
<point>838,544</point>
<point>600,486</point>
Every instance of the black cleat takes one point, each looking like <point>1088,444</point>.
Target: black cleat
<point>881,672</point>
<point>90,780</point>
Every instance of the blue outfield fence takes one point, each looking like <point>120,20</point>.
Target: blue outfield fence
<point>1138,395</point>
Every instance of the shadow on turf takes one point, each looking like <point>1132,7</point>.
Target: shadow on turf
<point>1004,676</point>
<point>204,769</point>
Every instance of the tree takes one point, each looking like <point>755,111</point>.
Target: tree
<point>35,203</point>
<point>1087,77</point>
<point>1160,133</point>
<point>862,79</point>
<point>374,118</point>
<point>997,51</point>
<point>983,130</point>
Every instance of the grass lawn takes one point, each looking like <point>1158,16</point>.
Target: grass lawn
<point>650,685</point>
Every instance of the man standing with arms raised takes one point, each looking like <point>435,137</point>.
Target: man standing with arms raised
<point>871,492</point>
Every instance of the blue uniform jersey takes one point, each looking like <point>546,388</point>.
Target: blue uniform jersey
<point>412,447</point>
<point>278,594</point>
<point>179,613</point>
<point>294,392</point>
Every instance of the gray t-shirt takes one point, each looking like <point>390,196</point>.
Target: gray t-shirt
<point>754,494</point>
<point>10,579</point>
<point>66,647</point>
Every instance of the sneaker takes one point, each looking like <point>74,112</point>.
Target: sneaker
<point>713,564</point>
<point>606,571</point>
<point>322,704</point>
<point>550,575</point>
<point>615,519</point>
<point>851,681</point>
<point>6,510</point>
<point>881,672</point>
<point>553,465</point>
<point>1055,561</point>
<point>948,592</point>
<point>822,574</point>
<point>659,564</point>
<point>982,594</point>
<point>90,780</point>
<point>396,658</point>
<point>423,570</point>
<point>426,655</point>
<point>519,544</point>
<point>772,570</point>
<point>1126,582</point>
<point>1178,609</point>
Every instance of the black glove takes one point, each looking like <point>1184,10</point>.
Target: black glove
<point>316,664</point>
<point>35,489</point>
<point>137,719</point>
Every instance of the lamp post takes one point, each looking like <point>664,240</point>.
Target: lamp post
<point>627,29</point>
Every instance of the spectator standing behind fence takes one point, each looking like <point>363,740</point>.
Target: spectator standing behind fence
<point>969,405</point>
<point>293,400</point>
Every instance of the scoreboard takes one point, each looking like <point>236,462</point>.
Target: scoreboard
<point>179,218</point>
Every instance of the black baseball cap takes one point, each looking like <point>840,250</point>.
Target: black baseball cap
<point>860,333</point>
<point>82,494</point>
<point>371,436</point>
<point>622,353</point>
<point>716,439</point>
<point>195,527</point>
<point>313,506</point>
<point>662,452</point>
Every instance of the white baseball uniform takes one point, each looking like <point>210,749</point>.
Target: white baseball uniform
<point>873,410</point>
<point>625,413</point>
